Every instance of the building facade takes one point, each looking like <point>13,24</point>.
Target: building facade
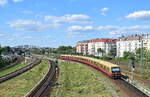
<point>132,43</point>
<point>82,47</point>
<point>120,45</point>
<point>106,45</point>
<point>91,46</point>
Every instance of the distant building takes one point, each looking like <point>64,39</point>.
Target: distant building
<point>106,45</point>
<point>91,46</point>
<point>82,47</point>
<point>132,43</point>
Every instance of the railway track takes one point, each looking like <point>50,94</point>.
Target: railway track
<point>18,61</point>
<point>130,89</point>
<point>45,85</point>
<point>122,83</point>
<point>19,71</point>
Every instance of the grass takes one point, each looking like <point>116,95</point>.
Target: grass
<point>14,68</point>
<point>78,80</point>
<point>19,86</point>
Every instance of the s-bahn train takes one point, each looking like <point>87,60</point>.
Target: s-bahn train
<point>112,70</point>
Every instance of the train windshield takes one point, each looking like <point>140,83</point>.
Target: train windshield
<point>115,69</point>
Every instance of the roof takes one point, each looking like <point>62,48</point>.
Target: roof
<point>107,64</point>
<point>98,40</point>
<point>103,40</point>
<point>132,37</point>
<point>83,41</point>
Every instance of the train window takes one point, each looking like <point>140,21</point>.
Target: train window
<point>115,69</point>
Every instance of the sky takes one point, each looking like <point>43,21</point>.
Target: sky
<point>52,23</point>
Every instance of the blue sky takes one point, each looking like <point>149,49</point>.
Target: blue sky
<point>64,22</point>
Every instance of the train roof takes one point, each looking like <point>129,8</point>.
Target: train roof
<point>107,64</point>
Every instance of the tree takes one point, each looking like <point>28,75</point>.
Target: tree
<point>66,50</point>
<point>138,52</point>
<point>128,54</point>
<point>100,50</point>
<point>147,55</point>
<point>5,50</point>
<point>112,52</point>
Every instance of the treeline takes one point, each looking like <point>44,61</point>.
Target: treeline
<point>139,54</point>
<point>59,50</point>
<point>5,58</point>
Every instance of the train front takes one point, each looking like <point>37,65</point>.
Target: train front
<point>116,72</point>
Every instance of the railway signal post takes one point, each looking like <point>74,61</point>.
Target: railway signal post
<point>133,63</point>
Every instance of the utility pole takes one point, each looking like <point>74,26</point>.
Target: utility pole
<point>141,60</point>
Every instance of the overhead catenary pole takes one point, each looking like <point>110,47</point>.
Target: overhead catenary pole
<point>141,59</point>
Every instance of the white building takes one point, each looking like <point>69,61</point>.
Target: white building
<point>132,43</point>
<point>105,44</point>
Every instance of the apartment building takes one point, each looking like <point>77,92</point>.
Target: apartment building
<point>132,43</point>
<point>82,47</point>
<point>91,46</point>
<point>105,44</point>
<point>120,45</point>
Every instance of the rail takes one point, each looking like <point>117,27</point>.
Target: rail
<point>19,71</point>
<point>43,88</point>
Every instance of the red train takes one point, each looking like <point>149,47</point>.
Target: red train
<point>108,68</point>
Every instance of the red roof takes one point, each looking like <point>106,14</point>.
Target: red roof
<point>103,40</point>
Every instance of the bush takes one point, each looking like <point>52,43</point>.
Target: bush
<point>106,58</point>
<point>6,62</point>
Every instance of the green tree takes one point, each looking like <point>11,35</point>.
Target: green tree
<point>5,50</point>
<point>147,55</point>
<point>128,54</point>
<point>100,50</point>
<point>138,52</point>
<point>112,52</point>
<point>66,50</point>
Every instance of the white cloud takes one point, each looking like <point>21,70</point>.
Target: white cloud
<point>3,2</point>
<point>77,34</point>
<point>139,15</point>
<point>17,0</point>
<point>119,30</point>
<point>28,25</point>
<point>104,10</point>
<point>73,19</point>
<point>109,29</point>
<point>81,29</point>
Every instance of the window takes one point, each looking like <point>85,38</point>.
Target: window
<point>115,69</point>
